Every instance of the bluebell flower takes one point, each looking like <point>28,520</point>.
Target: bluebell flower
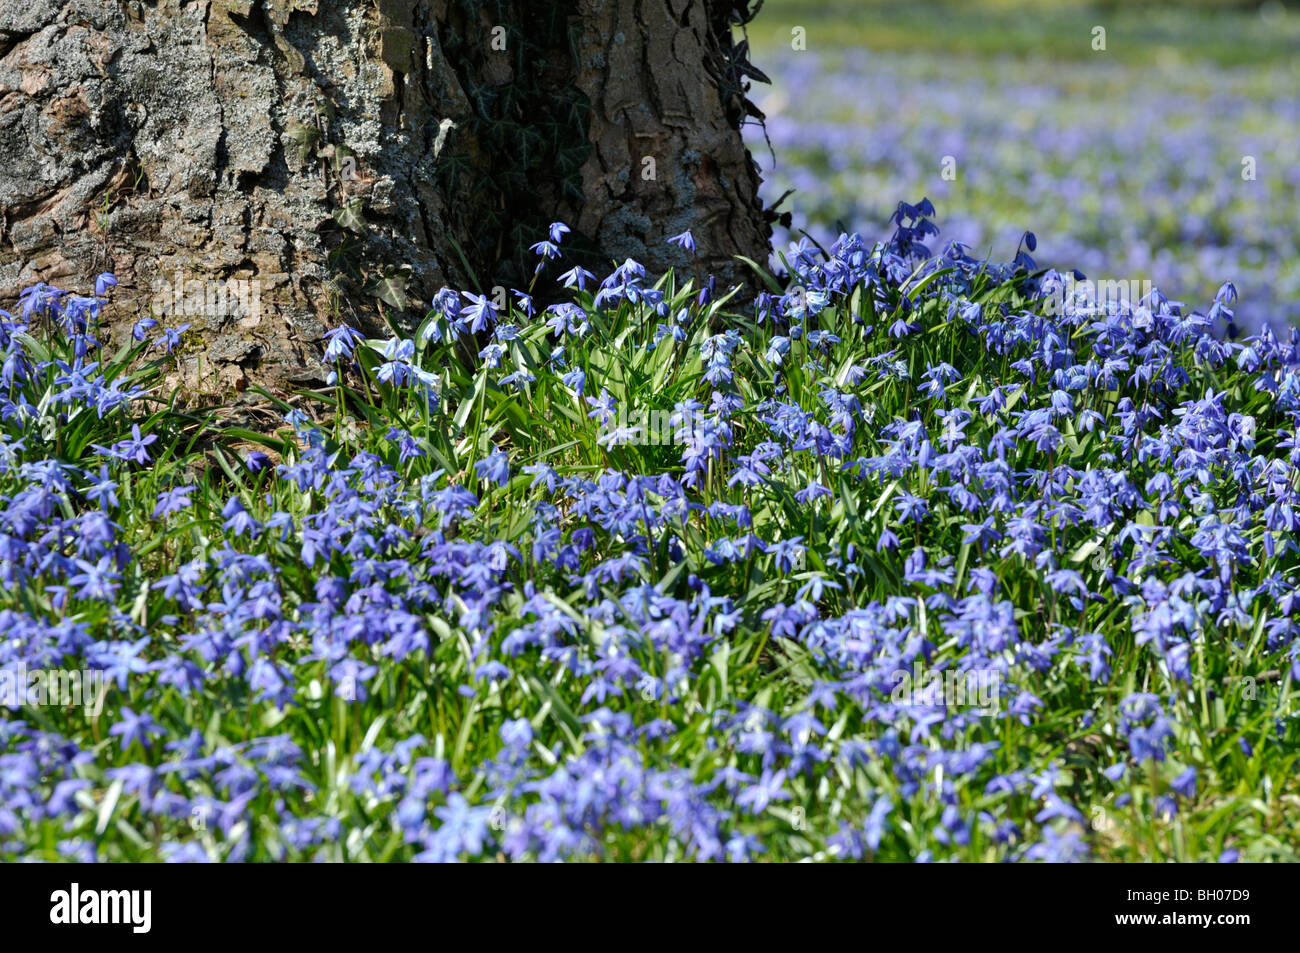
<point>685,240</point>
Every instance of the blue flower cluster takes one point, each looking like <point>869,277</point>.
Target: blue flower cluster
<point>1179,173</point>
<point>923,571</point>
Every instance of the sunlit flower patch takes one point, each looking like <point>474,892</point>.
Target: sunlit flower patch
<point>891,562</point>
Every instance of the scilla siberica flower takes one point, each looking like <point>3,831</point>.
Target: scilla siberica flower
<point>668,650</point>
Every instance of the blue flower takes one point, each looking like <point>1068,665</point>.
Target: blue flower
<point>684,240</point>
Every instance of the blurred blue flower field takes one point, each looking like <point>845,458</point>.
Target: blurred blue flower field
<point>1142,162</point>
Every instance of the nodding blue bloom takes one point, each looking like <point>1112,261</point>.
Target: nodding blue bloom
<point>684,240</point>
<point>350,677</point>
<point>626,272</point>
<point>482,313</point>
<point>911,509</point>
<point>104,281</point>
<point>1185,783</point>
<point>577,277</point>
<point>97,581</point>
<point>767,789</point>
<point>575,379</point>
<point>103,489</point>
<point>135,728</point>
<point>744,847</point>
<point>517,734</point>
<point>171,338</point>
<point>603,407</point>
<point>546,249</point>
<point>173,501</point>
<point>526,304</point>
<point>408,447</point>
<point>1148,730</point>
<point>777,349</point>
<point>787,553</point>
<point>1056,848</point>
<point>557,232</point>
<point>812,491</point>
<point>875,824</point>
<point>238,520</point>
<point>131,449</point>
<point>40,298</point>
<point>340,343</point>
<point>495,468</point>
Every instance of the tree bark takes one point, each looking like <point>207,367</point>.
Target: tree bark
<point>341,157</point>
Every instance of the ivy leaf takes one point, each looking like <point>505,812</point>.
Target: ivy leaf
<point>390,286</point>
<point>350,216</point>
<point>303,138</point>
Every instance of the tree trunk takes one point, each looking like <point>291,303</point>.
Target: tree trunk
<point>262,169</point>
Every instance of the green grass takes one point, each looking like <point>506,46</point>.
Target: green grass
<point>1213,31</point>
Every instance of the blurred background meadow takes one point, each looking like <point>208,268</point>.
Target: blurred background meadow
<point>1171,155</point>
